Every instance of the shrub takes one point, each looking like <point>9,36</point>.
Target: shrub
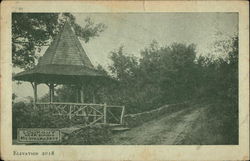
<point>91,135</point>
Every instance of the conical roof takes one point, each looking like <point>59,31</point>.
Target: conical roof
<point>66,49</point>
<point>65,61</point>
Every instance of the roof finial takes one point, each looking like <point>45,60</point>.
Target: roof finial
<point>68,22</point>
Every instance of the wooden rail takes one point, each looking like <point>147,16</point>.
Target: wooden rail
<point>92,113</point>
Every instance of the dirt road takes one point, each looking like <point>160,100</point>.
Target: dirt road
<point>166,130</point>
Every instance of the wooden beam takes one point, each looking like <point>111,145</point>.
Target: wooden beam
<point>35,92</point>
<point>85,112</point>
<point>51,93</point>
<point>34,86</point>
<point>82,94</point>
<point>94,112</point>
<point>77,95</point>
<point>71,103</point>
<point>94,101</point>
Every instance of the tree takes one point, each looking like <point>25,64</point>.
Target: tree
<point>162,75</point>
<point>32,31</point>
<point>123,69</point>
<point>170,69</point>
<point>219,75</point>
<point>124,66</point>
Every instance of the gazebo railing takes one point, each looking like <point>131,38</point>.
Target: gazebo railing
<point>92,113</point>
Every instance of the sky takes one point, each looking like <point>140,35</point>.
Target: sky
<point>135,31</point>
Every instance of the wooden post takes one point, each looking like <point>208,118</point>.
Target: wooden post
<point>70,111</point>
<point>94,112</point>
<point>82,101</point>
<point>35,93</point>
<point>105,113</point>
<point>93,96</point>
<point>122,114</point>
<point>51,92</point>
<point>77,94</point>
<point>82,94</point>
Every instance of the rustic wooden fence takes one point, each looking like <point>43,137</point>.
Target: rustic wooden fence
<point>132,120</point>
<point>92,113</point>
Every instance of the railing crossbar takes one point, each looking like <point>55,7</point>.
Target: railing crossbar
<point>96,120</point>
<point>96,110</point>
<point>114,106</point>
<point>68,103</point>
<point>80,109</point>
<point>113,115</point>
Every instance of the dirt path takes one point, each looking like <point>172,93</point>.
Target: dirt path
<point>166,130</point>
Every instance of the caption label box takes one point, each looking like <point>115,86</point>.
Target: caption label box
<point>38,135</point>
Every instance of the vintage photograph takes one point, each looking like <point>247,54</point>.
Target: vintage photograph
<point>156,78</point>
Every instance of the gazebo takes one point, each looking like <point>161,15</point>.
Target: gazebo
<point>66,62</point>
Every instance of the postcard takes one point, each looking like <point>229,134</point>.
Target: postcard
<point>125,80</point>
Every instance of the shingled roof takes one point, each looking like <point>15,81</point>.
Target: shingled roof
<point>66,49</point>
<point>65,61</point>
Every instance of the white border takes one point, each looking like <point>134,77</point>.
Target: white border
<point>157,152</point>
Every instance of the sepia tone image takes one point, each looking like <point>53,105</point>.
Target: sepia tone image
<point>125,78</point>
